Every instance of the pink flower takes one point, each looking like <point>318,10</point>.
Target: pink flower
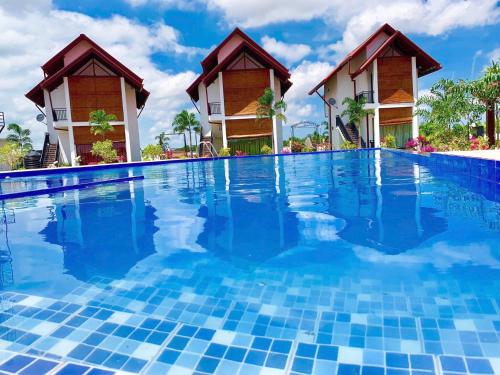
<point>428,148</point>
<point>411,143</point>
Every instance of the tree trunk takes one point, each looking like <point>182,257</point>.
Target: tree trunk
<point>190,144</point>
<point>490,123</point>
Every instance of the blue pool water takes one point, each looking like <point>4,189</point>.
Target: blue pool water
<point>335,263</point>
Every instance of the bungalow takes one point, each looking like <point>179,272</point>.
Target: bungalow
<point>384,70</point>
<point>82,78</point>
<point>234,76</point>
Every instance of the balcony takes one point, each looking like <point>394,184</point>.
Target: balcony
<point>59,114</point>
<point>368,95</point>
<point>214,108</point>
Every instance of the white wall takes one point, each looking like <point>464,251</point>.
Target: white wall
<point>213,91</point>
<point>203,106</point>
<point>64,149</point>
<point>279,123</point>
<point>133,123</point>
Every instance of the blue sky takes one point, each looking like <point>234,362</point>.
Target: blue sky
<point>164,40</point>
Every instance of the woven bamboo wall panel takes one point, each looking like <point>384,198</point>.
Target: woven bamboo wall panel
<point>90,93</point>
<point>242,88</point>
<point>395,83</point>
<point>249,127</point>
<point>82,135</point>
<point>395,116</point>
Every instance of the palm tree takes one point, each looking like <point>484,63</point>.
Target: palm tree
<point>355,110</point>
<point>163,139</point>
<point>267,107</point>
<point>487,89</point>
<point>186,121</point>
<point>100,122</point>
<point>20,137</point>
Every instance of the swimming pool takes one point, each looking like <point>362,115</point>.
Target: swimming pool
<point>362,262</point>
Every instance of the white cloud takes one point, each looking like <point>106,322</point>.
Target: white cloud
<point>305,76</point>
<point>358,18</point>
<point>26,42</point>
<point>494,55</point>
<point>301,106</point>
<point>433,17</point>
<point>291,53</point>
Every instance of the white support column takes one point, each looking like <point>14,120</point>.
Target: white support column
<point>414,73</point>
<point>222,111</point>
<point>275,129</point>
<point>125,120</point>
<point>376,127</point>
<point>71,139</point>
<point>376,116</point>
<point>375,82</point>
<point>72,149</point>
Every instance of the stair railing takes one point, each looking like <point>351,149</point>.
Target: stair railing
<point>343,129</point>
<point>46,143</point>
<point>208,146</point>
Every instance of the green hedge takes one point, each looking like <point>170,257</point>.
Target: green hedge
<point>250,146</point>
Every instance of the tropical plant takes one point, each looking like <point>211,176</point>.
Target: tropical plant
<point>348,145</point>
<point>152,152</point>
<point>105,151</point>
<point>99,122</point>
<point>163,139</point>
<point>187,122</point>
<point>20,137</point>
<point>487,90</point>
<point>240,153</point>
<point>266,150</point>
<point>389,141</point>
<point>12,154</point>
<point>268,107</point>
<point>225,151</point>
<point>355,110</point>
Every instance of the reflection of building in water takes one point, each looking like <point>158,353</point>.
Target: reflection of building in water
<point>7,216</point>
<point>117,228</point>
<point>459,202</point>
<point>383,208</point>
<point>248,219</point>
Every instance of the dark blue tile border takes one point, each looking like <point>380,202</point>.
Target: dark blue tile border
<point>82,185</point>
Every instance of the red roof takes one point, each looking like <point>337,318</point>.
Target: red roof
<point>55,71</point>
<point>425,63</point>
<point>211,66</point>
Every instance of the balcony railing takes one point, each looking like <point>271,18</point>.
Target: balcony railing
<point>214,108</point>
<point>367,94</point>
<point>59,114</point>
<point>2,121</point>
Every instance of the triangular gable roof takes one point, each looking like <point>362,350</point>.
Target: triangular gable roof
<point>54,77</point>
<point>425,62</point>
<point>211,66</point>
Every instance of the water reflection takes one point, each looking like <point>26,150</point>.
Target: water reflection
<point>104,235</point>
<point>247,215</point>
<point>383,207</point>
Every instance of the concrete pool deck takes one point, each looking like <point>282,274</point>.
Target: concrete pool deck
<point>482,154</point>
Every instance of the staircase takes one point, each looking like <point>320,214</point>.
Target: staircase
<point>350,132</point>
<point>50,155</point>
<point>49,152</point>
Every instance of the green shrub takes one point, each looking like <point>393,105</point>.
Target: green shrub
<point>266,150</point>
<point>225,151</point>
<point>348,145</point>
<point>12,155</point>
<point>307,149</point>
<point>152,152</point>
<point>389,141</point>
<point>105,151</point>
